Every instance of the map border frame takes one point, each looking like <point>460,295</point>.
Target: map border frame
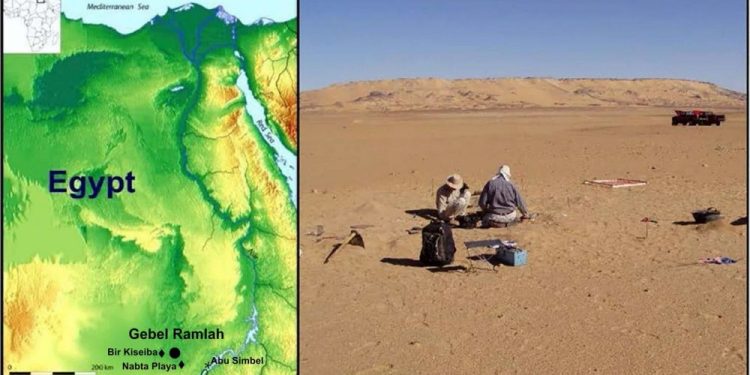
<point>2,175</point>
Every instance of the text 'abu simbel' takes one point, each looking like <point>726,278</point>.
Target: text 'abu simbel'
<point>90,187</point>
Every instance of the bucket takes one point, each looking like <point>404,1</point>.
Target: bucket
<point>704,216</point>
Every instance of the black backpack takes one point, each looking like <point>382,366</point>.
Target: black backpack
<point>438,247</point>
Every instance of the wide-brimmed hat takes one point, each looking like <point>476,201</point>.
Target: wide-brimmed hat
<point>455,181</point>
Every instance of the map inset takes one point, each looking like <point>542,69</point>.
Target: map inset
<point>149,211</point>
<point>31,26</point>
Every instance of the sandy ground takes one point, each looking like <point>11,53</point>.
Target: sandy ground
<point>595,297</point>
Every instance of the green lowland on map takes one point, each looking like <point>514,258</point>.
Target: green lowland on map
<point>149,211</point>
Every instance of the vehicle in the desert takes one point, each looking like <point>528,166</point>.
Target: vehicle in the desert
<point>697,118</point>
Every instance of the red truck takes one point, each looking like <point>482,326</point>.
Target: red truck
<point>697,118</point>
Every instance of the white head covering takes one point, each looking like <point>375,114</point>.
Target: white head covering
<point>504,171</point>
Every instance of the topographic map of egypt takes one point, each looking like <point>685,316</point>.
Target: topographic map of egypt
<point>31,26</point>
<point>149,190</point>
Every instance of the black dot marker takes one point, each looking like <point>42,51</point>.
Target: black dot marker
<point>174,352</point>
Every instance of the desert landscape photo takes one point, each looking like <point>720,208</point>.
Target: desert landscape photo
<point>624,134</point>
<point>596,296</point>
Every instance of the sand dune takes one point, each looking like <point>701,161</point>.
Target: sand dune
<point>481,94</point>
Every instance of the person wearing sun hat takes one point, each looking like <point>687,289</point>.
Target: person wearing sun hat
<point>500,201</point>
<point>452,198</point>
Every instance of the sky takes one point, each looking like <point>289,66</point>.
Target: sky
<point>343,41</point>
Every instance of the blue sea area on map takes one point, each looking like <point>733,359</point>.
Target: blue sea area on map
<point>246,11</point>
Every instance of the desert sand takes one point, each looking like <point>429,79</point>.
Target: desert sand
<point>595,297</point>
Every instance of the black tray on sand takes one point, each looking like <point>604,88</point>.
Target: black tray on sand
<point>704,216</point>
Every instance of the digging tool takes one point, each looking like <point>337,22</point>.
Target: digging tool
<point>354,239</point>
